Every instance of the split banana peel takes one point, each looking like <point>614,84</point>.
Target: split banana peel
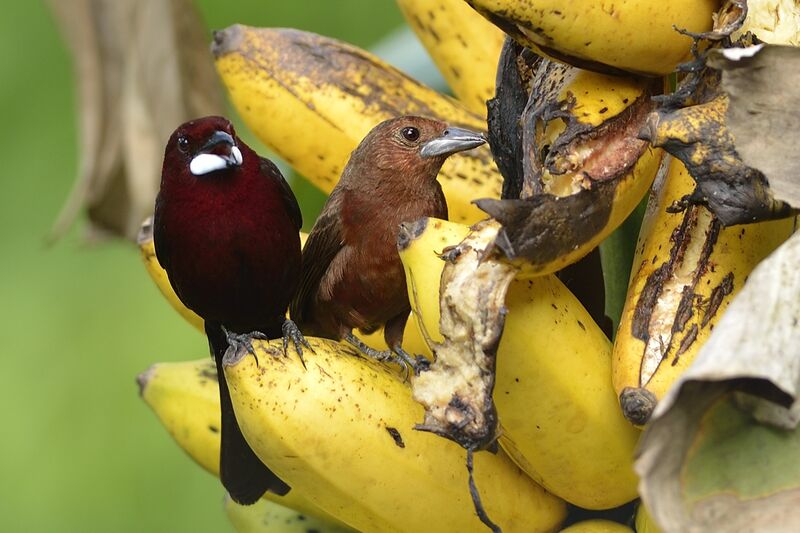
<point>583,167</point>
<point>635,36</point>
<point>687,270</point>
<point>340,431</point>
<point>312,99</point>
<point>464,46</point>
<point>557,410</point>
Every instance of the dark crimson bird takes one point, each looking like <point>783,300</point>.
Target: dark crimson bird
<point>352,274</point>
<point>226,230</point>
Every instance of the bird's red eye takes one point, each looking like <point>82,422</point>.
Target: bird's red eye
<point>183,143</point>
<point>410,134</point>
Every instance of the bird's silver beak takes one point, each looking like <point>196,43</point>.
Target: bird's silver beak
<point>219,152</point>
<point>451,141</point>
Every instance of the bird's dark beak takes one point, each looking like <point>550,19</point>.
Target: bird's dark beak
<point>451,141</point>
<point>220,151</point>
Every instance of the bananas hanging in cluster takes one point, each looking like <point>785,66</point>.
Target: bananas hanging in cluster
<point>688,268</point>
<point>312,99</point>
<point>340,430</point>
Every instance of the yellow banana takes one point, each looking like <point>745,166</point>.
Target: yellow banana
<point>159,276</point>
<point>557,408</point>
<point>463,45</point>
<point>597,525</point>
<point>312,99</point>
<point>268,517</point>
<point>644,522</point>
<point>340,431</point>
<point>637,36</point>
<point>688,270</point>
<point>412,341</point>
<point>584,168</point>
<point>185,398</point>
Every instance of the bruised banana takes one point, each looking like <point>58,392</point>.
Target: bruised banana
<point>583,167</point>
<point>312,99</point>
<point>557,408</point>
<point>269,517</point>
<point>185,398</point>
<point>688,269</point>
<point>339,430</point>
<point>464,46</point>
<point>636,36</point>
<point>411,338</point>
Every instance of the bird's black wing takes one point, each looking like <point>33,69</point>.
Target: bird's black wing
<point>324,242</point>
<point>289,200</point>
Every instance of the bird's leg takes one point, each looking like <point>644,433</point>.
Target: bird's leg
<point>393,335</point>
<point>292,333</point>
<point>379,355</point>
<point>244,340</point>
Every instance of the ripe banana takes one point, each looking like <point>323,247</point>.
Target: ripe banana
<point>688,269</point>
<point>557,409</point>
<point>637,36</point>
<point>583,167</point>
<point>185,398</point>
<point>644,522</point>
<point>312,99</point>
<point>269,517</point>
<point>412,341</point>
<point>597,525</point>
<point>339,430</point>
<point>463,45</point>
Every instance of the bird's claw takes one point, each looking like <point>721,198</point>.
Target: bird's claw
<point>418,364</point>
<point>244,340</point>
<point>292,332</point>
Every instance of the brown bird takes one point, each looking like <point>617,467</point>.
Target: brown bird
<point>352,275</point>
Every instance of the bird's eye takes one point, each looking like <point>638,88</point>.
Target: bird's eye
<point>410,134</point>
<point>183,143</point>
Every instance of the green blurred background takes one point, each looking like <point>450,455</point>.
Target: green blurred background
<point>79,451</point>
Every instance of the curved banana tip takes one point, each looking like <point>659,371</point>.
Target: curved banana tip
<point>637,404</point>
<point>226,40</point>
<point>144,378</point>
<point>410,231</point>
<point>145,232</point>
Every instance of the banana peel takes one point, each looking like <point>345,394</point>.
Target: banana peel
<point>583,167</point>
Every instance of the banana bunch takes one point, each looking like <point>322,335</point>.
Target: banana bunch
<point>687,270</point>
<point>339,430</point>
<point>463,45</point>
<point>636,36</point>
<point>312,99</point>
<point>555,402</point>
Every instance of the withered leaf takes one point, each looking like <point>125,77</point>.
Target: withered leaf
<point>142,67</point>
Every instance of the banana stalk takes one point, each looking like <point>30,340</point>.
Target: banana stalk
<point>463,45</point>
<point>312,99</point>
<point>635,36</point>
<point>584,169</point>
<point>557,409</point>
<point>339,430</point>
<point>688,269</point>
<point>185,398</point>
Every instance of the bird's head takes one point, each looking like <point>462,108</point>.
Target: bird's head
<point>412,144</point>
<point>203,146</point>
